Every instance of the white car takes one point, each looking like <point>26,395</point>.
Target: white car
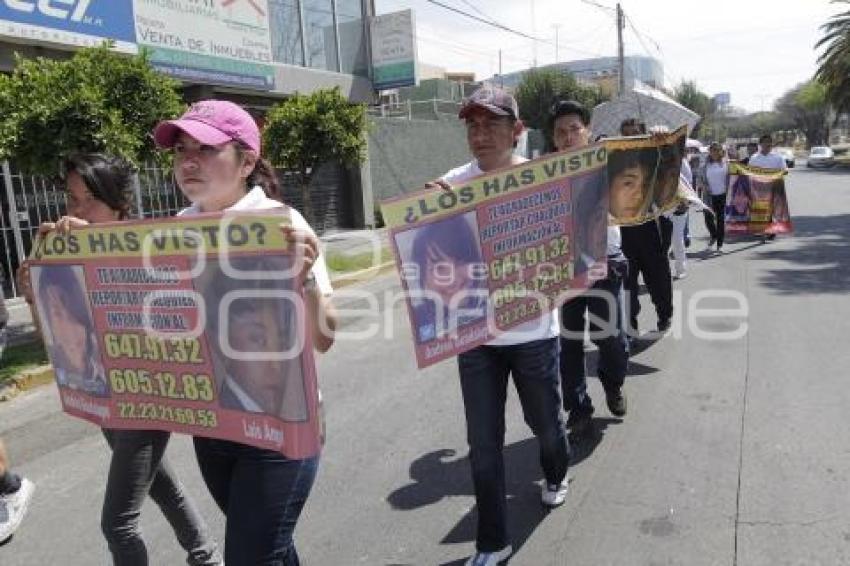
<point>821,156</point>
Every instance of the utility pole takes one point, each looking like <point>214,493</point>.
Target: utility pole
<point>501,78</point>
<point>621,60</point>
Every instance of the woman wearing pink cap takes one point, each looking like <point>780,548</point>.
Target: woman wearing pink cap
<point>217,165</point>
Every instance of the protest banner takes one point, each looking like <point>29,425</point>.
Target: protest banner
<point>757,202</point>
<point>643,172</point>
<point>500,249</point>
<point>192,325</point>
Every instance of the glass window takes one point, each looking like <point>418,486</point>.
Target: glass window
<point>319,33</point>
<point>286,32</point>
<point>352,42</point>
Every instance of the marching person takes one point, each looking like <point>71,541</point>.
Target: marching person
<point>715,175</point>
<point>98,189</point>
<point>528,353</point>
<point>217,165</point>
<point>570,122</point>
<point>643,247</point>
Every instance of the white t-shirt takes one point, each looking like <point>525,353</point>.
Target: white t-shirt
<point>769,161</point>
<point>256,199</point>
<point>717,176</point>
<point>538,329</point>
<point>615,241</point>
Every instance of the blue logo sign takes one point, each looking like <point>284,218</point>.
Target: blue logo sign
<point>107,19</point>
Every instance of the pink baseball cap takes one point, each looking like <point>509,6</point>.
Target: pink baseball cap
<point>211,122</point>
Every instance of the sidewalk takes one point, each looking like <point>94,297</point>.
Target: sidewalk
<point>351,242</point>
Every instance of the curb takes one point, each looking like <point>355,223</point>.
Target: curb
<point>25,381</point>
<point>363,275</point>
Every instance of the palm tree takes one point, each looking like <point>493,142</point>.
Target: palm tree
<point>834,63</point>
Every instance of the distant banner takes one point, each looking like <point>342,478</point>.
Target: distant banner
<point>643,173</point>
<point>499,250</point>
<point>756,201</point>
<point>185,325</point>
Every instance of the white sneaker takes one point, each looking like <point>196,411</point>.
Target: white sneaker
<point>681,275</point>
<point>554,495</point>
<point>490,558</point>
<point>13,507</point>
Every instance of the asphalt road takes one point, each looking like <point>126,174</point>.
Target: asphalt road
<point>734,452</point>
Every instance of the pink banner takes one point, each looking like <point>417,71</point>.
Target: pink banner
<point>187,325</point>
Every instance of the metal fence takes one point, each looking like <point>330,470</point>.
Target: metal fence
<point>29,200</point>
<point>417,109</point>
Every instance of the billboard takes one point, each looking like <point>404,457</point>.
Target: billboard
<point>225,42</point>
<point>393,50</point>
<point>77,23</point>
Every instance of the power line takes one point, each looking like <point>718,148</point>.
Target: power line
<point>483,21</point>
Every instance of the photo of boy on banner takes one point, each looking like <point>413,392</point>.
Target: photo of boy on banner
<point>740,201</point>
<point>65,314</point>
<point>445,275</point>
<point>255,337</point>
<point>631,175</point>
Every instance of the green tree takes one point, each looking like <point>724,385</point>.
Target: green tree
<point>807,106</point>
<point>540,87</point>
<point>834,63</point>
<point>98,100</point>
<point>688,94</point>
<point>305,131</point>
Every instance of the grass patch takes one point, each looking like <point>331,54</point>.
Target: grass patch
<point>21,357</point>
<point>344,263</point>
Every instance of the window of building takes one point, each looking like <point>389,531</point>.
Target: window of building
<point>352,40</point>
<point>285,25</point>
<point>320,34</point>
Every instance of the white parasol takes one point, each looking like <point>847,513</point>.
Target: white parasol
<point>648,105</point>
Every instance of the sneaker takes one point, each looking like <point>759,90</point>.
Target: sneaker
<point>687,242</point>
<point>711,243</point>
<point>554,495</point>
<point>579,423</point>
<point>771,236</point>
<point>664,325</point>
<point>13,507</point>
<point>681,275</point>
<point>490,558</point>
<point>616,401</point>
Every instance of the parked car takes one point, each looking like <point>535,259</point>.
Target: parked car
<point>821,156</point>
<point>788,154</point>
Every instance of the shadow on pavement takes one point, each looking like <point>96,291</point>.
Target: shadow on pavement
<point>441,474</point>
<point>820,260</point>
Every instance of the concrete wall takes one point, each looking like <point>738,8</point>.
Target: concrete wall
<point>404,154</point>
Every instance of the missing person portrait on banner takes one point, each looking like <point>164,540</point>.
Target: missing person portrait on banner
<point>499,250</point>
<point>186,325</point>
<point>643,173</point>
<point>757,202</point>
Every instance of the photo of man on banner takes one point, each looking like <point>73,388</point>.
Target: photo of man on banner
<point>255,338</point>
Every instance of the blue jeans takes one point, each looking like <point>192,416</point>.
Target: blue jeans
<point>606,304</point>
<point>137,469</point>
<point>484,375</point>
<point>261,493</point>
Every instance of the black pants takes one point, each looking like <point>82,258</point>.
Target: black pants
<point>716,223</point>
<point>665,225</point>
<point>604,304</point>
<point>642,247</point>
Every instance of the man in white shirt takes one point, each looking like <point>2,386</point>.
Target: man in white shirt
<point>528,352</point>
<point>767,160</point>
<point>604,302</point>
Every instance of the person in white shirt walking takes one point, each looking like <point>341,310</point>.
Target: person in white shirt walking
<point>715,177</point>
<point>764,159</point>
<point>528,352</point>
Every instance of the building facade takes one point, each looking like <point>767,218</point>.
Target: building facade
<point>253,52</point>
<point>602,71</point>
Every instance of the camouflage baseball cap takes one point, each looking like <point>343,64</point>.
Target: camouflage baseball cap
<point>492,99</point>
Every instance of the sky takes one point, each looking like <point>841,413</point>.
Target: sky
<point>754,49</point>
